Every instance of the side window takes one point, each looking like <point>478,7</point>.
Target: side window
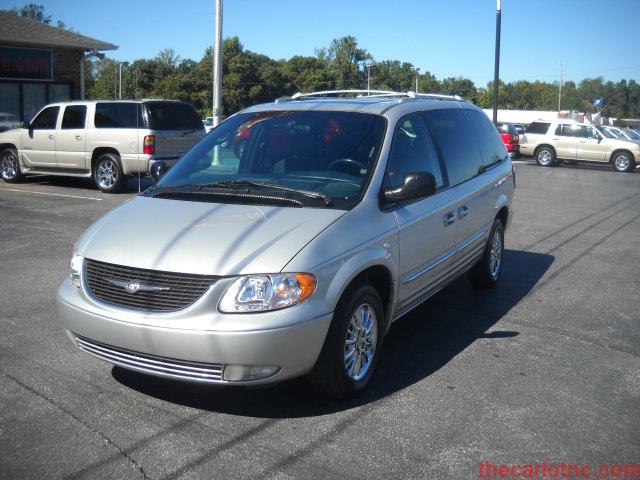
<point>538,127</point>
<point>74,117</point>
<point>47,119</point>
<point>580,131</point>
<point>591,133</point>
<point>116,115</point>
<point>456,143</point>
<point>491,145</point>
<point>412,151</point>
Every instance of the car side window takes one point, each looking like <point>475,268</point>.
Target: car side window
<point>46,120</point>
<point>491,145</point>
<point>74,117</point>
<point>591,133</point>
<point>455,143</point>
<point>412,151</point>
<point>117,115</point>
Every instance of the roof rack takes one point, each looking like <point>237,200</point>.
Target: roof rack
<point>375,93</point>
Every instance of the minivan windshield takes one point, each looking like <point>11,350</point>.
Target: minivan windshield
<point>286,153</point>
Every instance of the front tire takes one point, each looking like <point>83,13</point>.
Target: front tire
<point>623,162</point>
<point>351,349</point>
<point>10,166</point>
<point>108,173</point>
<point>546,157</point>
<point>486,273</point>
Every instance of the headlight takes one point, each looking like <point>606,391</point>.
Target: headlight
<point>75,268</point>
<point>260,293</point>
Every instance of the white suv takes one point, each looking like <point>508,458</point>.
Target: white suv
<point>108,140</point>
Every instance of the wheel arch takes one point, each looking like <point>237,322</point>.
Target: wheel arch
<point>97,152</point>
<point>621,150</point>
<point>543,145</point>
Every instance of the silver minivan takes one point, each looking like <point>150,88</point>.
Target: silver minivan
<point>294,254</point>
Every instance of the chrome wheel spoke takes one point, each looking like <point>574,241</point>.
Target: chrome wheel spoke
<point>360,342</point>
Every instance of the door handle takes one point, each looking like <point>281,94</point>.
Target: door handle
<point>78,137</point>
<point>52,137</point>
<point>448,218</point>
<point>555,138</point>
<point>582,141</point>
<point>462,211</point>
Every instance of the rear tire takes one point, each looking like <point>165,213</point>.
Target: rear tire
<point>351,349</point>
<point>546,157</point>
<point>486,273</point>
<point>10,166</point>
<point>108,173</point>
<point>623,162</point>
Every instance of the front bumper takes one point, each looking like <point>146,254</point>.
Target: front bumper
<point>293,348</point>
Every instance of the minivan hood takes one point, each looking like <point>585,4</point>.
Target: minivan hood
<point>203,238</point>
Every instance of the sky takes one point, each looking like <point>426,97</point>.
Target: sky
<point>446,37</point>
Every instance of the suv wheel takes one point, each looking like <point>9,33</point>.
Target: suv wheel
<point>108,173</point>
<point>486,272</point>
<point>622,162</point>
<point>10,166</point>
<point>351,350</point>
<point>546,157</point>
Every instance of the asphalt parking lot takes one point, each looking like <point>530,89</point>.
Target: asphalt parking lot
<point>544,367</point>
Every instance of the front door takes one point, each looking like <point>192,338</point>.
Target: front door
<point>427,227</point>
<point>39,140</point>
<point>590,144</point>
<point>70,138</point>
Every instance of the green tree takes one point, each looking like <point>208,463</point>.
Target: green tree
<point>344,61</point>
<point>33,11</point>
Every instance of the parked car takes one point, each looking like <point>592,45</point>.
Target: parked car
<point>208,125</point>
<point>510,137</point>
<point>551,142</point>
<point>340,216</point>
<point>622,133</point>
<point>106,140</point>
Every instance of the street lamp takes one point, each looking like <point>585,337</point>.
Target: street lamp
<point>562,64</point>
<point>368,63</point>
<point>496,71</point>
<point>217,65</point>
<point>417,77</point>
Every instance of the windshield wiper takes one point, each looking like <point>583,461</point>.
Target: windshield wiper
<point>265,185</point>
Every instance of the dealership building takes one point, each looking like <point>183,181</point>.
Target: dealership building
<point>40,64</point>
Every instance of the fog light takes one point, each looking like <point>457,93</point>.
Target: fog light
<point>242,373</point>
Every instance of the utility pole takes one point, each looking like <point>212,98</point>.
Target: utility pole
<point>120,80</point>
<point>368,64</point>
<point>417,77</point>
<point>562,64</point>
<point>217,65</point>
<point>496,70</point>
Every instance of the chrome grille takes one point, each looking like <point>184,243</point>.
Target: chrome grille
<point>160,292</point>
<point>186,370</point>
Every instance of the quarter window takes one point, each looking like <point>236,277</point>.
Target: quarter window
<point>47,119</point>
<point>74,117</point>
<point>456,144</point>
<point>412,151</point>
<point>491,145</point>
<point>538,127</point>
<point>117,115</point>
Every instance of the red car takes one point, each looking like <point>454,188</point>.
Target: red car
<point>510,137</point>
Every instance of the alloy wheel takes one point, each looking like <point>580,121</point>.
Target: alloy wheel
<point>360,342</point>
<point>107,174</point>
<point>9,165</point>
<point>544,157</point>
<point>495,255</point>
<point>622,162</point>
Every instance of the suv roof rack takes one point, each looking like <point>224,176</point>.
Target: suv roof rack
<point>373,93</point>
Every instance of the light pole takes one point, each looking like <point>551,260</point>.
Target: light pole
<point>417,77</point>
<point>120,80</point>
<point>217,64</point>
<point>560,87</point>
<point>496,70</point>
<point>368,63</point>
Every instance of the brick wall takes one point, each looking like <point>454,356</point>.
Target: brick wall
<point>66,68</point>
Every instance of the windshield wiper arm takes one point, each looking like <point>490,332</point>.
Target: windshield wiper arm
<point>250,183</point>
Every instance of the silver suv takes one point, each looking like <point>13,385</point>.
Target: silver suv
<point>106,140</point>
<point>294,254</point>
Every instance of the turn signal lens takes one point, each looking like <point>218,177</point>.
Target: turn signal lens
<point>261,293</point>
<point>149,145</point>
<point>75,269</point>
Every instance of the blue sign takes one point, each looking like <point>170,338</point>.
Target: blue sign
<point>26,63</point>
<point>597,102</point>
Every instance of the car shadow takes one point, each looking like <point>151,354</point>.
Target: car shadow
<point>418,345</point>
<point>86,183</point>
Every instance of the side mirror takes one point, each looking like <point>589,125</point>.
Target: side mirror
<point>158,169</point>
<point>26,125</point>
<point>414,185</point>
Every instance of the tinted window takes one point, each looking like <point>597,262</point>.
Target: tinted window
<point>172,116</point>
<point>456,143</point>
<point>538,127</point>
<point>491,145</point>
<point>117,115</point>
<point>74,117</point>
<point>47,119</point>
<point>412,151</point>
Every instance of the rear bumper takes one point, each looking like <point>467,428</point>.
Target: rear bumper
<point>294,349</point>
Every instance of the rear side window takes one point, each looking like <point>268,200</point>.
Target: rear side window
<point>47,119</point>
<point>491,145</point>
<point>74,117</point>
<point>117,115</point>
<point>456,142</point>
<point>412,151</point>
<point>538,127</point>
<point>172,116</point>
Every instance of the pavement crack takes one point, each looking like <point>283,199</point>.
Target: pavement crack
<point>137,467</point>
